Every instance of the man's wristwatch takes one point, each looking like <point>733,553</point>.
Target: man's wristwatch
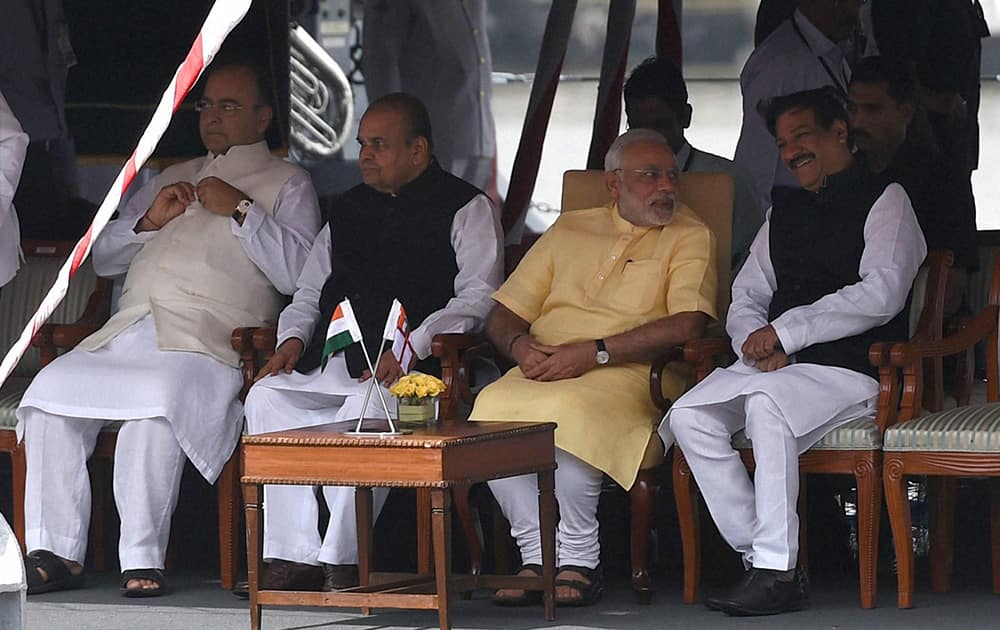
<point>603,358</point>
<point>242,208</point>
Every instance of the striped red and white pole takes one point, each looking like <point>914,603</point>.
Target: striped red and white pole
<point>221,20</point>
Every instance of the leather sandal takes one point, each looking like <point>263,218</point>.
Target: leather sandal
<point>60,578</point>
<point>153,575</point>
<point>590,591</point>
<point>526,598</point>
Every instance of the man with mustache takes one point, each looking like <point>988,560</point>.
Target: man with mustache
<point>828,274</point>
<point>881,107</point>
<point>601,294</point>
<point>411,231</point>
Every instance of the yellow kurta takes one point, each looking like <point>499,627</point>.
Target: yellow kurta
<point>594,275</point>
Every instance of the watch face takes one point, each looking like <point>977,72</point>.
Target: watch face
<point>603,357</point>
<point>243,206</point>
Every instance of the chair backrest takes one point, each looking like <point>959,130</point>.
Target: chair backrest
<point>21,296</point>
<point>710,195</point>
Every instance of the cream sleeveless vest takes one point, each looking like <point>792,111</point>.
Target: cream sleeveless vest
<point>194,276</point>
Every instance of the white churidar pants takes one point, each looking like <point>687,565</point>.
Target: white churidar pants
<point>578,488</point>
<point>291,513</point>
<point>759,519</point>
<point>147,476</point>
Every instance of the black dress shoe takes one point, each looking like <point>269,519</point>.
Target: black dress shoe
<point>337,577</point>
<point>762,593</point>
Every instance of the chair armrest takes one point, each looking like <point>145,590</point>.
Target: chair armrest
<point>255,346</point>
<point>704,352</point>
<point>656,376</point>
<point>457,352</point>
<point>50,338</point>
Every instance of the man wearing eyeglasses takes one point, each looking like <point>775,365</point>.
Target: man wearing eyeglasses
<point>208,245</point>
<point>601,294</point>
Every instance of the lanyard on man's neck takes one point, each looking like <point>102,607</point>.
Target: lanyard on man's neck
<point>841,83</point>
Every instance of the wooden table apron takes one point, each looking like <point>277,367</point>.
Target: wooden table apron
<point>432,460</point>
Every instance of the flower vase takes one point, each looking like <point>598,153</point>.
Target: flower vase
<point>416,412</point>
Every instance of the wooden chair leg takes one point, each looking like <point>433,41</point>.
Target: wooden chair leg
<point>995,532</point>
<point>230,508</point>
<point>503,542</point>
<point>941,526</point>
<point>866,473</point>
<point>643,499</point>
<point>101,506</point>
<point>467,519</point>
<point>687,517</point>
<point>19,470</point>
<point>899,519</point>
<point>801,506</point>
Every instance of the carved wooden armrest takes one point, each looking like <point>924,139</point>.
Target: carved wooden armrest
<point>704,354</point>
<point>656,376</point>
<point>457,352</point>
<point>50,338</point>
<point>255,346</point>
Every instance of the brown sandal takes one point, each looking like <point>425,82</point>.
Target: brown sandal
<point>590,591</point>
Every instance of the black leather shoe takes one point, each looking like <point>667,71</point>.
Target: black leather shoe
<point>762,593</point>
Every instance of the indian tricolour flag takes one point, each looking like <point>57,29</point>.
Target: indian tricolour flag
<point>342,331</point>
<point>397,331</point>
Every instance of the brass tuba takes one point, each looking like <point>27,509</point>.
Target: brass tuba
<point>321,102</point>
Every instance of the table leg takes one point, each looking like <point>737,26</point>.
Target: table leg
<point>547,530</point>
<point>363,510</point>
<point>441,526</point>
<point>255,549</point>
<point>425,564</point>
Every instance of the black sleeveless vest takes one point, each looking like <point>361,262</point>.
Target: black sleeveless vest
<point>816,242</point>
<point>390,246</point>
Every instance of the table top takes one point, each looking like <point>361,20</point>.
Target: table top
<point>439,455</point>
<point>437,435</point>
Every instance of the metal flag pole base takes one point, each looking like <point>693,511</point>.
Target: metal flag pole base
<point>358,432</point>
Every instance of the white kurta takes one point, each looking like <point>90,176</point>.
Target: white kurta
<point>13,145</point>
<point>286,401</point>
<point>782,64</point>
<point>131,379</point>
<point>807,394</point>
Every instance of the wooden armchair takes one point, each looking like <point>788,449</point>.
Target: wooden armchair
<point>87,304</point>
<point>18,300</point>
<point>959,442</point>
<point>852,449</point>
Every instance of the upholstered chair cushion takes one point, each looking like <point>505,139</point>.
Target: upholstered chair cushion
<point>974,429</point>
<point>858,434</point>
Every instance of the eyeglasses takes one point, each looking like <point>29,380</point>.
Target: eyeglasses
<point>652,175</point>
<point>226,108</point>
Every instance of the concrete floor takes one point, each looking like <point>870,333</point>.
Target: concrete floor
<point>198,602</point>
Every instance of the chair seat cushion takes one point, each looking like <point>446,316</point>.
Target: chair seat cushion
<point>971,429</point>
<point>856,435</point>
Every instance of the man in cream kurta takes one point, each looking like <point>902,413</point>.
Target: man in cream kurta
<point>600,294</point>
<point>206,246</point>
<point>13,144</point>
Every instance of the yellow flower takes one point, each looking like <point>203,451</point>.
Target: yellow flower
<point>417,385</point>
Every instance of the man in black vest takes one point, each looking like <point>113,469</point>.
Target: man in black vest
<point>411,231</point>
<point>828,274</point>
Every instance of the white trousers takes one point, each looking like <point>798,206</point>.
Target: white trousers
<point>147,475</point>
<point>291,513</point>
<point>578,488</point>
<point>759,520</point>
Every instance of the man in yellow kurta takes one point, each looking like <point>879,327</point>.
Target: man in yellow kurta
<point>601,294</point>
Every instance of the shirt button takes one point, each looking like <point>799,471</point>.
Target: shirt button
<point>475,31</point>
<point>601,276</point>
<point>482,60</point>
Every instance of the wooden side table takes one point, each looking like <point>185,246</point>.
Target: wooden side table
<point>433,459</point>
